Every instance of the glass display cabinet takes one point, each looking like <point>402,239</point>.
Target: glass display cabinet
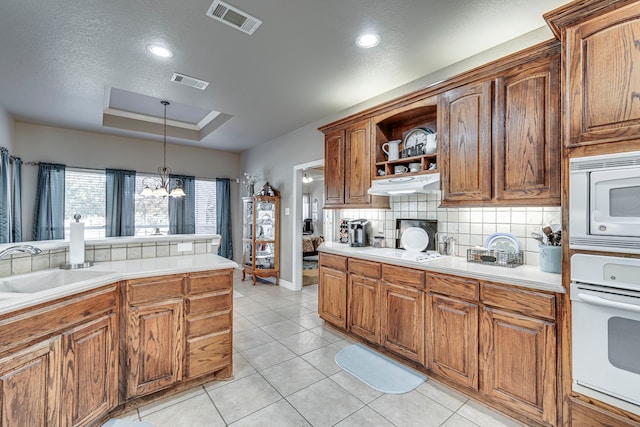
<point>261,237</point>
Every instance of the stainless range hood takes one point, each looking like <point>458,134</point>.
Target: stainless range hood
<point>405,185</point>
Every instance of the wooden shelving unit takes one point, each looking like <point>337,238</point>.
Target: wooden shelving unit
<point>261,237</point>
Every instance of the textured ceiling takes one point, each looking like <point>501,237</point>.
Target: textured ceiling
<point>58,57</point>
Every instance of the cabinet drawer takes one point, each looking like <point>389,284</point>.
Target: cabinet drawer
<point>364,268</point>
<point>453,286</point>
<point>523,301</point>
<point>209,323</point>
<point>209,281</point>
<point>154,288</point>
<point>403,276</point>
<point>208,354</point>
<point>333,261</point>
<point>209,302</point>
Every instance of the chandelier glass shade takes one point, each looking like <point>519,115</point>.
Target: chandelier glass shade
<point>307,179</point>
<point>164,185</point>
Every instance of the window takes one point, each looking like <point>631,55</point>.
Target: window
<point>85,194</point>
<point>205,206</point>
<point>152,213</point>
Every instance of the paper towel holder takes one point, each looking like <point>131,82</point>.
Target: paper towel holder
<point>79,265</point>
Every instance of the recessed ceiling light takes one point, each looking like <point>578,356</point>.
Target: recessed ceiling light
<point>160,51</point>
<point>368,40</point>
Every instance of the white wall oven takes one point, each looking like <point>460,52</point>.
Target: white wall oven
<point>605,299</point>
<point>604,203</point>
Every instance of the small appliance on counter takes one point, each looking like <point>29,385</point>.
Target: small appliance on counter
<point>359,232</point>
<point>428,225</point>
<point>343,232</point>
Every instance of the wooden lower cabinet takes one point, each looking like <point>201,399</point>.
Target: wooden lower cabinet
<point>30,386</point>
<point>90,377</point>
<point>583,414</point>
<point>154,346</point>
<point>402,321</point>
<point>518,363</point>
<point>332,296</point>
<point>364,307</point>
<point>453,339</point>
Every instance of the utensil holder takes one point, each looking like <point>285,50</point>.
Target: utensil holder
<point>550,258</point>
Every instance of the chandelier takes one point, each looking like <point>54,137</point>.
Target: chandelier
<point>159,187</point>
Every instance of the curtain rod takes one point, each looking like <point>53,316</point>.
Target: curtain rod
<point>102,170</point>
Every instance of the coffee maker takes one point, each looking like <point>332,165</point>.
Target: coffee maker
<point>359,232</point>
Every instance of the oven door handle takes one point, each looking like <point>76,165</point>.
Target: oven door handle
<point>608,303</point>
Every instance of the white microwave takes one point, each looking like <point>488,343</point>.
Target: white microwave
<point>604,203</point>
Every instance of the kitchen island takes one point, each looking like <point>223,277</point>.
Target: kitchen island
<point>121,334</point>
<point>490,332</point>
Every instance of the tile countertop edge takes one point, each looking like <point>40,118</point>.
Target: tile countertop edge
<point>524,276</point>
<point>121,270</point>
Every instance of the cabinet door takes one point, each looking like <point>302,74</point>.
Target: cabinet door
<point>464,125</point>
<point>364,307</point>
<point>358,163</point>
<point>518,363</point>
<point>332,296</point>
<point>402,329</point>
<point>30,386</point>
<point>154,346</point>
<point>453,339</point>
<point>90,382</point>
<point>603,78</point>
<point>527,134</point>
<point>334,152</point>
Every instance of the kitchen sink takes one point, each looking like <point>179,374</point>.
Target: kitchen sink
<point>43,280</point>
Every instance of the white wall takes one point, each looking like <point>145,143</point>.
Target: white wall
<point>306,144</point>
<point>37,143</point>
<point>7,130</point>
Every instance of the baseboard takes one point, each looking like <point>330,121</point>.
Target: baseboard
<point>288,285</point>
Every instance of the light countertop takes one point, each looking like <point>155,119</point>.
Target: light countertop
<point>525,275</point>
<point>111,272</point>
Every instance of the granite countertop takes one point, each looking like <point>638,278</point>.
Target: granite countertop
<point>525,275</point>
<point>105,273</point>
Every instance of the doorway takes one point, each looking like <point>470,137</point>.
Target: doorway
<point>308,220</point>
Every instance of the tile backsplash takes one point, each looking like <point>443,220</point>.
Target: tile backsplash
<point>469,226</point>
<point>24,263</point>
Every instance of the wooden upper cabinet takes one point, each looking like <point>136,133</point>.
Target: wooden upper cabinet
<point>464,127</point>
<point>334,168</point>
<point>357,172</point>
<point>603,77</point>
<point>526,134</point>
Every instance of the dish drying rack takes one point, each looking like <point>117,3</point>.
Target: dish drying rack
<point>491,257</point>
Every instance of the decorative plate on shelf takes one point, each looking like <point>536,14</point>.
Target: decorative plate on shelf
<point>502,242</point>
<point>414,239</point>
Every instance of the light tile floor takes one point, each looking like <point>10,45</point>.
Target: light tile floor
<point>285,375</point>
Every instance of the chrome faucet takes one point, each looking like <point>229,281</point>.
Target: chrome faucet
<point>30,249</point>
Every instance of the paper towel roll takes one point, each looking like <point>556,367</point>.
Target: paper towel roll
<point>76,243</point>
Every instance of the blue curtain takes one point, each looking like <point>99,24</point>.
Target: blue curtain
<point>48,218</point>
<point>182,210</point>
<point>121,203</point>
<point>16,206</point>
<point>223,217</point>
<point>5,197</point>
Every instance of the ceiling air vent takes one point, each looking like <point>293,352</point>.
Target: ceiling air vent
<point>189,81</point>
<point>234,17</point>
